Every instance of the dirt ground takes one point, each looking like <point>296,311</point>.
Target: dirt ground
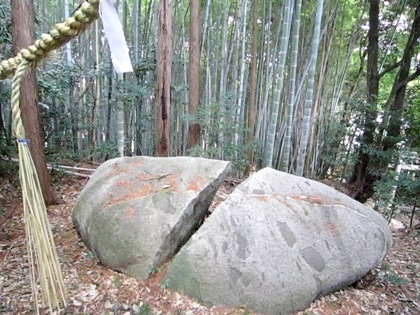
<point>392,288</point>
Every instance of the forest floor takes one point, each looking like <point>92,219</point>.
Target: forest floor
<point>392,288</point>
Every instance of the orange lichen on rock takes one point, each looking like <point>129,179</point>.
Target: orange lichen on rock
<point>315,199</point>
<point>145,176</point>
<point>332,227</point>
<point>143,191</point>
<point>263,197</point>
<point>172,181</point>
<point>297,197</point>
<point>197,183</point>
<point>124,184</point>
<point>129,213</point>
<point>312,199</point>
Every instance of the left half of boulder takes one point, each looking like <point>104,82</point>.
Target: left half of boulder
<point>136,212</point>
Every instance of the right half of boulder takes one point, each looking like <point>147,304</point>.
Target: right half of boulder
<point>277,243</point>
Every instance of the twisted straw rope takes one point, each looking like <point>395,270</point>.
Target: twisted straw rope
<point>43,258</point>
<point>59,35</point>
<point>16,113</point>
<point>41,248</point>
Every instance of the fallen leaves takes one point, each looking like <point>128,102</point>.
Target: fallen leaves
<point>93,289</point>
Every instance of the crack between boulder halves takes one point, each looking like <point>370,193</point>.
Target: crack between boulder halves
<point>195,215</point>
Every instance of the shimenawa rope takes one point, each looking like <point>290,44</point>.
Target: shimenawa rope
<point>43,258</point>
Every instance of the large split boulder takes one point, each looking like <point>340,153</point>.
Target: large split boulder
<point>136,212</point>
<point>277,243</point>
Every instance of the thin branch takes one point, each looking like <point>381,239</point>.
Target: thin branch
<point>67,169</point>
<point>389,69</point>
<point>410,78</point>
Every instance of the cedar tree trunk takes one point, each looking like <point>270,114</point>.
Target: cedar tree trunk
<point>22,37</point>
<point>163,100</point>
<point>194,72</point>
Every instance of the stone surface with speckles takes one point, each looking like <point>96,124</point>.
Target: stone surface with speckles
<point>277,243</point>
<point>136,212</point>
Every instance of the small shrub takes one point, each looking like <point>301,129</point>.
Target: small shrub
<point>141,308</point>
<point>395,189</point>
<point>88,255</point>
<point>387,274</point>
<point>165,284</point>
<point>118,282</point>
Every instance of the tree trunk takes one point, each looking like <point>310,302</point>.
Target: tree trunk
<point>397,95</point>
<point>362,178</point>
<point>292,88</point>
<point>23,36</point>
<point>194,129</point>
<point>163,100</point>
<point>252,91</point>
<point>121,104</point>
<point>310,91</point>
<point>278,89</point>
<point>268,51</point>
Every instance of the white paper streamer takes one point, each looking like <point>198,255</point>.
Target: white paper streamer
<point>115,36</point>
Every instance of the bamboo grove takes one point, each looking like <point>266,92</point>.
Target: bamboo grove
<point>281,84</point>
